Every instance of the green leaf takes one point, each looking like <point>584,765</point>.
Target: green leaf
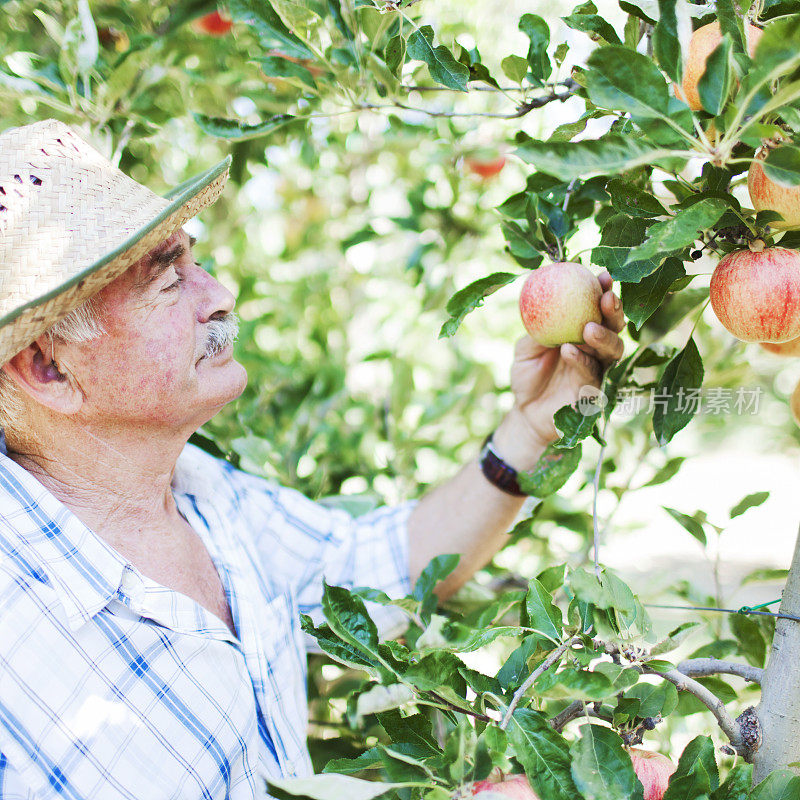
<point>688,523</point>
<point>521,244</point>
<point>271,30</point>
<point>471,297</point>
<point>551,471</point>
<point>679,231</point>
<point>570,160</point>
<point>573,425</point>
<point>369,759</point>
<point>437,570</point>
<point>674,638</point>
<point>274,66</point>
<point>751,501</point>
<point>413,728</point>
<point>766,574</point>
<point>681,380</point>
<point>543,753</point>
<point>640,300</point>
<point>606,591</point>
<point>335,647</point>
<point>737,785</point>
<point>714,86</point>
<point>535,28</point>
<point>329,787</point>
<point>543,616</point>
<point>235,131</point>
<point>654,698</point>
<point>442,65</point>
<point>619,235</point>
<point>515,669</point>
<point>395,54</point>
<point>782,784</point>
<point>622,79</point>
<point>697,774</point>
<point>666,40</point>
<point>751,638</point>
<point>515,68</point>
<point>348,617</point>
<point>593,24</point>
<point>782,165</point>
<point>574,684</point>
<point>601,768</point>
<point>629,199</point>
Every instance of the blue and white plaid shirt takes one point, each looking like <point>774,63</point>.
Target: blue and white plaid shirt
<point>113,686</point>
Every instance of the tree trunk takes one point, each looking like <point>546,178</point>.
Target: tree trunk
<point>779,709</point>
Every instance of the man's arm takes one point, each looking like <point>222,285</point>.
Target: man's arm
<point>467,514</point>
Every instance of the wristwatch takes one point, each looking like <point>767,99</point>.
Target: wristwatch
<point>497,472</point>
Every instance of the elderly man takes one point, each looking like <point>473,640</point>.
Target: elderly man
<point>149,639</point>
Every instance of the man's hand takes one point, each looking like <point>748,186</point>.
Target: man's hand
<point>543,379</point>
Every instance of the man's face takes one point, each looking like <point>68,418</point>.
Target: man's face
<point>152,368</point>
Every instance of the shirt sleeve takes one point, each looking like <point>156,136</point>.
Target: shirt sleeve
<point>303,543</point>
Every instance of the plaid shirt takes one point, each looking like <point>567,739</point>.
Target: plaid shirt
<point>113,686</point>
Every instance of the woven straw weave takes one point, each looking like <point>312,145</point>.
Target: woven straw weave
<point>64,211</point>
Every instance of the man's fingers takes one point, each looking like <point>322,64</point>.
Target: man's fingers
<point>605,344</point>
<point>527,348</point>
<point>589,368</point>
<point>610,305</point>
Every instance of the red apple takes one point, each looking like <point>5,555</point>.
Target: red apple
<point>485,167</point>
<point>653,770</point>
<point>702,44</point>
<point>513,786</point>
<point>556,302</point>
<point>766,195</point>
<point>214,24</point>
<point>756,296</point>
<point>790,348</point>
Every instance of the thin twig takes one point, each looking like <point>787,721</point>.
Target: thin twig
<point>554,657</point>
<point>572,711</point>
<point>469,712</point>
<point>683,683</point>
<point>699,667</point>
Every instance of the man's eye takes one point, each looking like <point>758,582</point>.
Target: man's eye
<point>174,285</point>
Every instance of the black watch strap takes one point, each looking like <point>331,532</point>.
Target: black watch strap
<point>497,472</point>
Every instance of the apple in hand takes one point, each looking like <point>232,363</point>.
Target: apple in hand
<point>214,24</point>
<point>701,45</point>
<point>514,786</point>
<point>653,770</point>
<point>790,348</point>
<point>756,295</point>
<point>556,302</point>
<point>766,195</point>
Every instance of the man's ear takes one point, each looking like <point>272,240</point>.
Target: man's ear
<point>37,374</point>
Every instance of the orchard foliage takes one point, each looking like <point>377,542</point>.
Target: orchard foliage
<point>360,236</point>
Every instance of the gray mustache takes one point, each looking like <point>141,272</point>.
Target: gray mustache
<point>221,333</point>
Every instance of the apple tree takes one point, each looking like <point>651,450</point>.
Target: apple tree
<point>364,173</point>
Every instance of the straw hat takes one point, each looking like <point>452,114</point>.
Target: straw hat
<point>71,222</point>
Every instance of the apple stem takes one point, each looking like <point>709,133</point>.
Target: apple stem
<point>756,246</point>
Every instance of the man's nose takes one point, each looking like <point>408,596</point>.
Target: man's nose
<point>215,299</point>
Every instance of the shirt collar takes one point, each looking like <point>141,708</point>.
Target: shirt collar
<point>83,569</point>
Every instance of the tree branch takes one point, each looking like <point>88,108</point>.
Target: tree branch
<point>698,667</point>
<point>571,712</point>
<point>683,683</point>
<point>554,657</point>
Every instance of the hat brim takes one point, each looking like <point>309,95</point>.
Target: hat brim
<point>28,321</point>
